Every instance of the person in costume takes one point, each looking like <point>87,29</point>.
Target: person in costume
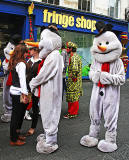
<point>74,82</point>
<point>107,73</point>
<point>18,92</point>
<point>32,70</point>
<point>49,79</point>
<point>7,100</point>
<point>124,57</point>
<point>66,63</point>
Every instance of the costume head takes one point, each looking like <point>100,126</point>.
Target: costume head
<point>49,41</point>
<point>15,39</point>
<point>106,46</point>
<point>8,49</point>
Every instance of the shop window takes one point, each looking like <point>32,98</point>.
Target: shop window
<point>114,8</point>
<point>56,2</point>
<point>84,42</point>
<point>84,5</point>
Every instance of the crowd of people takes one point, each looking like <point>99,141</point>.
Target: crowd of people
<point>39,82</point>
<point>39,70</point>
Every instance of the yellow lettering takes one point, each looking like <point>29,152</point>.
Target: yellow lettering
<point>88,24</point>
<point>45,15</point>
<point>64,21</point>
<point>83,22</point>
<point>49,17</point>
<point>93,26</point>
<point>54,17</point>
<point>78,22</point>
<point>71,21</point>
<point>58,19</point>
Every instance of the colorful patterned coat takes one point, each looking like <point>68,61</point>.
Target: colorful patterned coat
<point>74,82</point>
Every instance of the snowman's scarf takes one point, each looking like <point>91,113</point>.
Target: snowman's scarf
<point>39,67</point>
<point>104,68</point>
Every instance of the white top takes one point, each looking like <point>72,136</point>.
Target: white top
<point>21,70</point>
<point>33,60</point>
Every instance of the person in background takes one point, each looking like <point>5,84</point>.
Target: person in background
<point>19,92</point>
<point>7,100</point>
<point>66,63</point>
<point>32,70</point>
<point>74,82</point>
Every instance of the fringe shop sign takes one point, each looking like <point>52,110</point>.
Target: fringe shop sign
<point>68,20</point>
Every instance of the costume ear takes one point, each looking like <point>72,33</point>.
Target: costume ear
<point>108,27</point>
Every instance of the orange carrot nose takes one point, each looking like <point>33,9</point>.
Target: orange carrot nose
<point>33,44</point>
<point>11,52</point>
<point>102,48</point>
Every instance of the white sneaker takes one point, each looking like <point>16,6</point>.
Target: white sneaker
<point>27,116</point>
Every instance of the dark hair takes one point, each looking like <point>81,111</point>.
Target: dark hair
<point>17,56</point>
<point>34,48</point>
<point>63,45</point>
<point>53,27</point>
<point>74,49</point>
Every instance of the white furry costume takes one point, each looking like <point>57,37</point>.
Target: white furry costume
<point>50,79</point>
<point>7,100</point>
<point>105,100</point>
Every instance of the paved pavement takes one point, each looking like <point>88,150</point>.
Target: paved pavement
<point>70,132</point>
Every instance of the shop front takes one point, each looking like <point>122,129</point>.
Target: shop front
<point>78,27</point>
<point>73,25</point>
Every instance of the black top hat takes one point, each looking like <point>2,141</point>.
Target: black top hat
<point>102,27</point>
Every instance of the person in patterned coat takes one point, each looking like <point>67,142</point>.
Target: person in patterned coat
<point>74,82</point>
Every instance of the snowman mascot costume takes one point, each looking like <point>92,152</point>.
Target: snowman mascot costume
<point>50,80</point>
<point>107,73</point>
<point>7,100</point>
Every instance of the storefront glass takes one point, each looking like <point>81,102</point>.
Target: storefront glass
<point>84,43</point>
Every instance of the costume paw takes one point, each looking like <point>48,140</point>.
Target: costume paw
<point>43,147</point>
<point>106,146</point>
<point>106,78</point>
<point>96,77</point>
<point>88,141</point>
<point>41,137</point>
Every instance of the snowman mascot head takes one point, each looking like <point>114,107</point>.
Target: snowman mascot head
<point>106,46</point>
<point>15,39</point>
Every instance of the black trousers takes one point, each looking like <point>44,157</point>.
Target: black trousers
<point>18,112</point>
<point>64,87</point>
<point>35,109</point>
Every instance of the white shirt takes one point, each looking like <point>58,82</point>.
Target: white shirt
<point>21,70</point>
<point>33,60</point>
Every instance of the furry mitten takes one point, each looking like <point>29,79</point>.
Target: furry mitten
<point>96,76</point>
<point>43,147</point>
<point>109,144</point>
<point>106,78</point>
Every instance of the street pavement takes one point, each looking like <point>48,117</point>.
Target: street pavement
<point>70,133</point>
